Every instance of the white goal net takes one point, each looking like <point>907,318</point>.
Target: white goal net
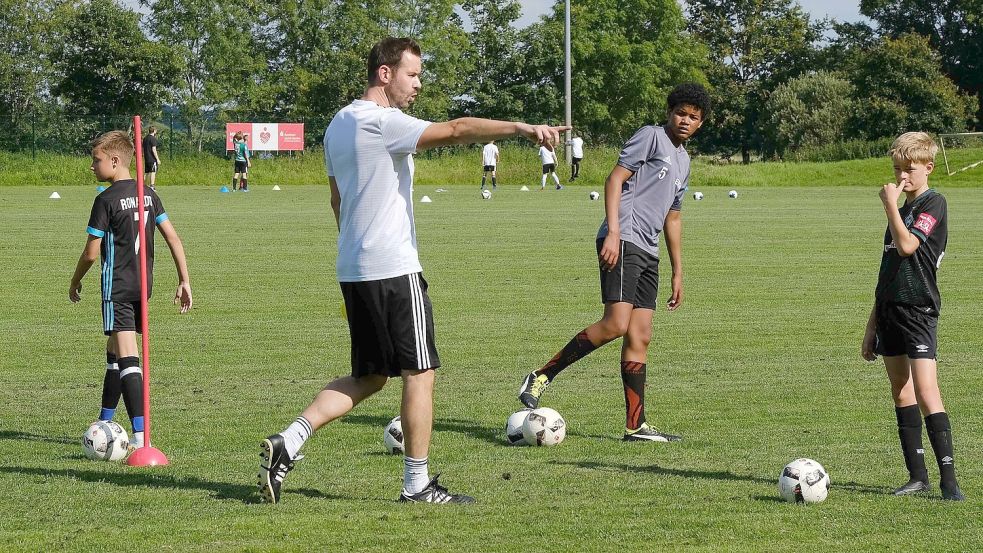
<point>961,151</point>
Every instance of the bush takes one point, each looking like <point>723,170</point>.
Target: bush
<point>843,150</point>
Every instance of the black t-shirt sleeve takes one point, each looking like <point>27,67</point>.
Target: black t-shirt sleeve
<point>926,221</point>
<point>98,218</point>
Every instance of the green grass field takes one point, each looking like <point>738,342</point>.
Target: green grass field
<point>760,365</point>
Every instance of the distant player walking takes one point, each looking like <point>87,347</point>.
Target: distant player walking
<point>577,155</point>
<point>489,160</point>
<point>151,159</point>
<point>548,156</point>
<point>643,197</point>
<point>368,150</point>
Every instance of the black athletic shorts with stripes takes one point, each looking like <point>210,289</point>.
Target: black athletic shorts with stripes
<point>905,330</point>
<point>391,325</point>
<point>635,278</point>
<point>121,316</point>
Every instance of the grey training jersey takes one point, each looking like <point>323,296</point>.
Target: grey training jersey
<point>661,175</point>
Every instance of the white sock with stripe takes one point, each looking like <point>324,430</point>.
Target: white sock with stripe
<point>416,475</point>
<point>295,435</point>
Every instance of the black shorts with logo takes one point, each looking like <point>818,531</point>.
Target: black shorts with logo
<point>635,278</point>
<point>549,168</point>
<point>149,166</point>
<point>489,168</point>
<point>241,167</point>
<point>391,325</point>
<point>905,330</point>
<point>120,316</point>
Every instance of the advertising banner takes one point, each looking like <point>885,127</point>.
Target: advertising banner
<point>267,137</point>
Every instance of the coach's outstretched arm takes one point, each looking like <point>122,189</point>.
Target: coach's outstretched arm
<point>467,130</point>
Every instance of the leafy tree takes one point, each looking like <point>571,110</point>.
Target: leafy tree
<point>495,88</point>
<point>954,28</point>
<point>903,88</point>
<point>810,110</point>
<point>754,46</point>
<point>107,66</point>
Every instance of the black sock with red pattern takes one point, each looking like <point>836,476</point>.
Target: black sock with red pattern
<point>633,378</point>
<point>575,349</point>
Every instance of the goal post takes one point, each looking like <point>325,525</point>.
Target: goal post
<point>961,151</point>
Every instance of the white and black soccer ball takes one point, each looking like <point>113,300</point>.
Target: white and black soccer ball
<point>732,193</point>
<point>392,437</point>
<point>593,195</point>
<point>803,481</point>
<point>513,427</point>
<point>697,195</point>
<point>105,441</point>
<point>486,194</point>
<point>544,426</point>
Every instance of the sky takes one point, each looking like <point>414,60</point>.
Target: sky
<point>842,10</point>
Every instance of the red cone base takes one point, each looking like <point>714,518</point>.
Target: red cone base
<point>147,457</point>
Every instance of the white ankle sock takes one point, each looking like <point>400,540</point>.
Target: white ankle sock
<point>295,435</point>
<point>416,475</point>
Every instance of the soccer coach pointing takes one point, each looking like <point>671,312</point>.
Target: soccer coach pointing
<point>368,150</point>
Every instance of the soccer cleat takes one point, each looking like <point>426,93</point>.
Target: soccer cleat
<point>273,468</point>
<point>912,487</point>
<point>559,187</point>
<point>952,493</point>
<point>532,389</point>
<point>646,433</point>
<point>434,493</point>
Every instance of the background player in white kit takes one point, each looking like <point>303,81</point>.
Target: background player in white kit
<point>577,155</point>
<point>368,150</point>
<point>489,160</point>
<point>547,155</point>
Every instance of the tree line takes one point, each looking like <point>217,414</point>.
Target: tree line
<point>781,81</point>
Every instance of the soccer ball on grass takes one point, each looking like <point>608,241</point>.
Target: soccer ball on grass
<point>732,193</point>
<point>544,426</point>
<point>105,441</point>
<point>803,481</point>
<point>513,427</point>
<point>392,437</point>
<point>486,194</point>
<point>593,195</point>
<point>697,195</point>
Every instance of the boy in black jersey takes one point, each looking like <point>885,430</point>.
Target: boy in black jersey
<point>902,324</point>
<point>113,232</point>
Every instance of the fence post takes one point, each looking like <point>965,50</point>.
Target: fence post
<point>170,141</point>
<point>34,137</point>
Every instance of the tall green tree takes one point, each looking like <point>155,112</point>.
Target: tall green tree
<point>953,27</point>
<point>107,65</point>
<point>754,46</point>
<point>810,110</point>
<point>495,88</point>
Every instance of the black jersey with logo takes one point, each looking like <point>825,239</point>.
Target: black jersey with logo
<point>114,218</point>
<point>911,280</point>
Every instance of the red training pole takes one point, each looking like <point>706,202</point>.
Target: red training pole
<point>146,455</point>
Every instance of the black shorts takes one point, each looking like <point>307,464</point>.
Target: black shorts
<point>905,330</point>
<point>577,159</point>
<point>149,166</point>
<point>391,325</point>
<point>241,167</point>
<point>635,278</point>
<point>489,168</point>
<point>120,316</point>
<point>549,168</point>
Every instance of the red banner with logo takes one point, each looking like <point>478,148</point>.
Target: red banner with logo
<point>272,137</point>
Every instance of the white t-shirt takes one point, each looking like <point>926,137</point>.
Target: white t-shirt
<point>489,155</point>
<point>546,155</point>
<point>369,149</point>
<point>577,145</point>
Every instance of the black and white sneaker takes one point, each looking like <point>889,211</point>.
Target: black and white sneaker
<point>273,467</point>
<point>434,493</point>
<point>646,433</point>
<point>952,493</point>
<point>912,487</point>
<point>532,389</point>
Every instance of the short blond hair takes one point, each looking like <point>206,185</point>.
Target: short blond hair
<point>114,143</point>
<point>917,147</point>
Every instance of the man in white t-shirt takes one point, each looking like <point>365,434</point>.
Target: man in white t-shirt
<point>548,156</point>
<point>489,160</point>
<point>368,150</point>
<point>577,153</point>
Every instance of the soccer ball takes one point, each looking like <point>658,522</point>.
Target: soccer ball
<point>486,194</point>
<point>593,195</point>
<point>544,426</point>
<point>803,481</point>
<point>697,195</point>
<point>392,437</point>
<point>732,193</point>
<point>105,441</point>
<point>513,427</point>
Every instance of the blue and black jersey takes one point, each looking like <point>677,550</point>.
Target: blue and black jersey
<point>115,219</point>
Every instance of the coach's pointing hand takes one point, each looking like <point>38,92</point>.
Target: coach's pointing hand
<point>542,134</point>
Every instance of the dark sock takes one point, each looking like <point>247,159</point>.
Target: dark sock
<point>940,434</point>
<point>132,380</point>
<point>243,183</point>
<point>910,433</point>
<point>575,349</point>
<point>494,184</point>
<point>111,389</point>
<point>482,181</point>
<point>233,183</point>
<point>633,378</point>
